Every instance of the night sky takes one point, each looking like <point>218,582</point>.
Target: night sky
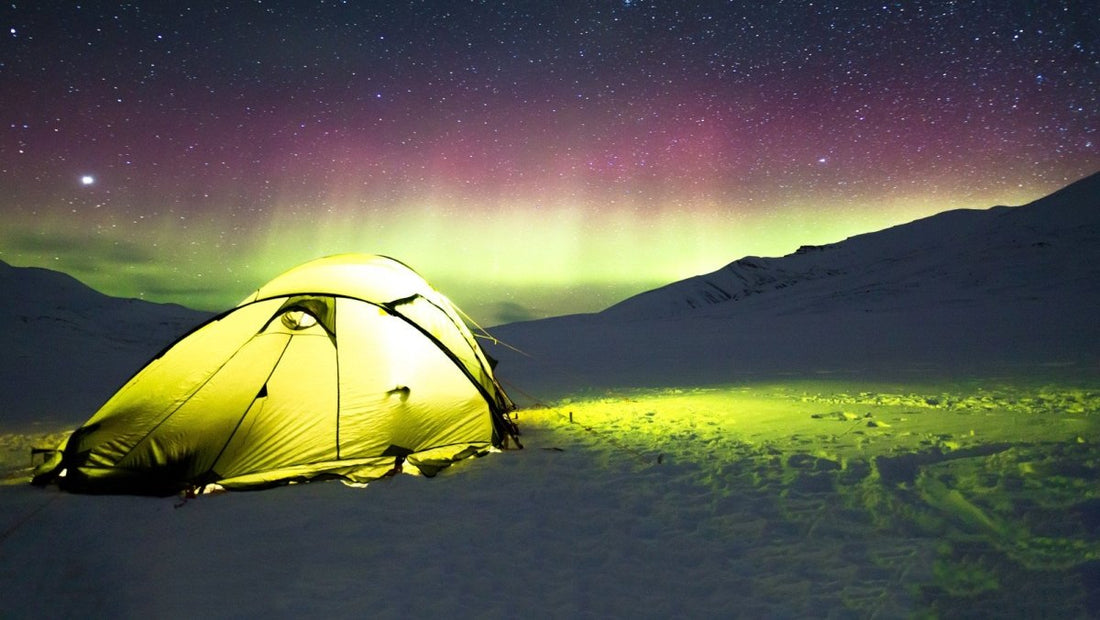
<point>527,158</point>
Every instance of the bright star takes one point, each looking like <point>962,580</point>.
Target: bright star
<point>87,179</point>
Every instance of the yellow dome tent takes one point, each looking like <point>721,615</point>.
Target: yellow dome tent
<point>344,367</point>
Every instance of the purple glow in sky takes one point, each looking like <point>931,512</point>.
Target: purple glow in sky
<point>527,158</point>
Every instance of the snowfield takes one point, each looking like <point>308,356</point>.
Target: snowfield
<point>783,500</point>
<point>860,431</point>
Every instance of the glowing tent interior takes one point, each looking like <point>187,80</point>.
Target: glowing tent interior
<point>345,367</point>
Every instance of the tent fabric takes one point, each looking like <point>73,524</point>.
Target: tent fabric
<point>340,368</point>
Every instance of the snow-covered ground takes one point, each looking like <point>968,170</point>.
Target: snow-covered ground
<point>792,499</point>
<point>877,432</point>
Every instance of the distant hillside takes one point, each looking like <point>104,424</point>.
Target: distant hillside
<point>67,347</point>
<point>961,257</point>
<point>1007,289</point>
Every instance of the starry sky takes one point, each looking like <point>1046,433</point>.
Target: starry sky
<point>528,158</point>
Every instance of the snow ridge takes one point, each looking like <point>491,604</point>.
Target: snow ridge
<point>956,255</point>
<point>964,292</point>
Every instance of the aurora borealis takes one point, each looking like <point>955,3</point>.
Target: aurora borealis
<point>527,158</point>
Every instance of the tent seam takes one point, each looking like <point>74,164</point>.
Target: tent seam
<point>244,414</point>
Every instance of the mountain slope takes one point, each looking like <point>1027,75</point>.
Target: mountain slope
<point>962,256</point>
<point>72,343</point>
<point>1007,289</point>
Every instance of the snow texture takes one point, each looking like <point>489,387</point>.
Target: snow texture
<point>905,423</point>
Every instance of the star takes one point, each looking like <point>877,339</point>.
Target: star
<point>576,133</point>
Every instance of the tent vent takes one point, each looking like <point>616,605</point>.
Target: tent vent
<point>298,319</point>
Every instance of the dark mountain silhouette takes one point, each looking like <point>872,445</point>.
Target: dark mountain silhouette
<point>1005,289</point>
<point>68,347</point>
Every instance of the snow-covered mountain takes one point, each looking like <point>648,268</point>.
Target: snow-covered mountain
<point>964,291</point>
<point>961,257</point>
<point>67,347</point>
